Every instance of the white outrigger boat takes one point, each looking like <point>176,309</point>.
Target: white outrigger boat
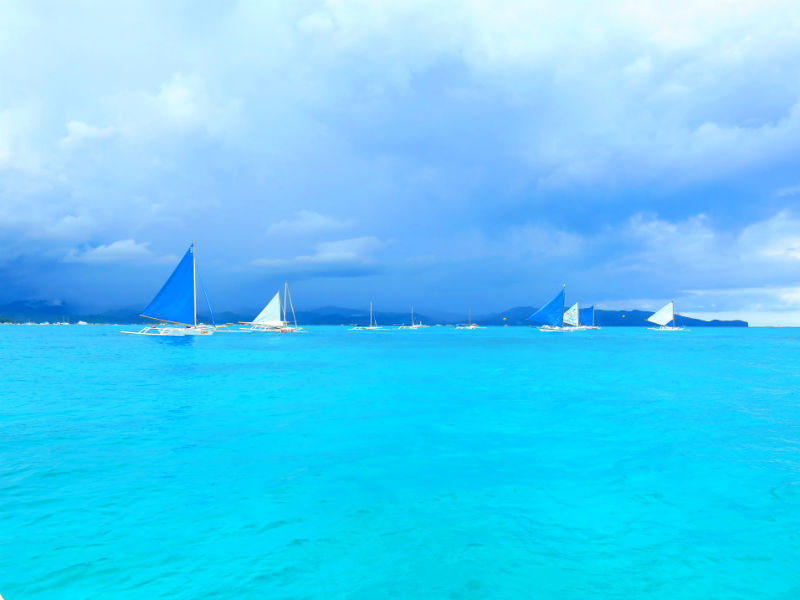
<point>470,324</point>
<point>175,305</point>
<point>413,325</point>
<point>373,324</point>
<point>273,316</point>
<point>663,317</point>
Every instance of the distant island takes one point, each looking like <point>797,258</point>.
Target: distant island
<point>40,311</point>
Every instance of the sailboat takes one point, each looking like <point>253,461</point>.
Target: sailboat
<point>665,318</point>
<point>287,299</point>
<point>413,324</point>
<point>273,315</point>
<point>579,319</point>
<point>470,324</point>
<point>373,324</point>
<point>175,305</point>
<point>550,317</point>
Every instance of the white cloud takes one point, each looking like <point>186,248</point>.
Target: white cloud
<point>692,250</point>
<point>787,192</point>
<point>182,104</point>
<point>182,100</point>
<point>18,127</point>
<point>78,131</point>
<point>666,243</point>
<point>308,221</point>
<point>353,251</point>
<point>67,227</point>
<point>317,23</point>
<point>743,274</point>
<point>767,306</point>
<point>776,239</point>
<point>120,251</point>
<point>542,242</point>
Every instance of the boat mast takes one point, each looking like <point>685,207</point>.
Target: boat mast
<point>285,292</point>
<point>194,282</point>
<point>370,313</point>
<point>291,304</point>
<point>563,303</point>
<point>674,324</point>
<point>412,314</point>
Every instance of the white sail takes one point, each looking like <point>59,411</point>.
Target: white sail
<point>663,315</point>
<point>271,315</point>
<point>571,316</point>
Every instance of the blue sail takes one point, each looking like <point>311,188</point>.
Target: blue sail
<point>586,316</point>
<point>551,313</point>
<point>175,301</point>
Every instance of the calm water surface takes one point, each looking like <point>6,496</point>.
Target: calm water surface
<point>497,463</point>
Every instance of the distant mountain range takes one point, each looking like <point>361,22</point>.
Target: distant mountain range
<point>39,311</point>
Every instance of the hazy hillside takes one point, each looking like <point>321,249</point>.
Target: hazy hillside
<point>39,311</point>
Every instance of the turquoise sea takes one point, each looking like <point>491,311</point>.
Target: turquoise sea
<point>496,463</point>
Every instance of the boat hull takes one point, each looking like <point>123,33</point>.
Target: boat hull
<point>168,331</point>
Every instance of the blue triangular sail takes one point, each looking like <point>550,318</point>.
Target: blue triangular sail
<point>586,316</point>
<point>175,301</point>
<point>676,322</point>
<point>551,313</point>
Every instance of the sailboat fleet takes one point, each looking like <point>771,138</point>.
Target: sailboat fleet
<point>174,310</point>
<point>554,316</point>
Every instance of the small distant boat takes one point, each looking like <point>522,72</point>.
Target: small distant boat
<point>470,324</point>
<point>273,316</point>
<point>373,324</point>
<point>413,325</point>
<point>665,317</point>
<point>175,305</point>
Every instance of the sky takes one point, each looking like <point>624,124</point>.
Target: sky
<point>446,153</point>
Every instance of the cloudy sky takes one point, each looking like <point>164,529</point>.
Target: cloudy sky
<point>447,153</point>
